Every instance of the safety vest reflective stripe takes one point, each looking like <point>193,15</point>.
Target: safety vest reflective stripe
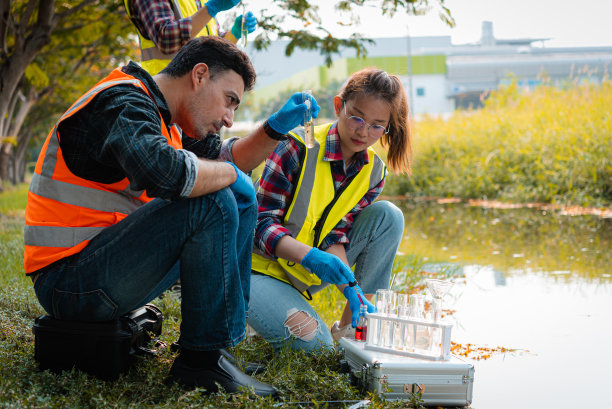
<point>299,206</point>
<point>315,211</point>
<point>65,211</point>
<point>51,153</point>
<point>83,196</point>
<point>44,236</point>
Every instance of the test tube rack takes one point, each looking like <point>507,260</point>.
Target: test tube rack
<point>383,328</point>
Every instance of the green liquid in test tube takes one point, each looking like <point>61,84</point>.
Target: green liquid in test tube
<point>308,121</point>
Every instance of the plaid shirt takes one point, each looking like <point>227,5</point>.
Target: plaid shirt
<point>276,184</point>
<point>156,21</point>
<point>118,135</point>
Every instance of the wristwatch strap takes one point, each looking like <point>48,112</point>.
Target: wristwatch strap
<point>277,136</point>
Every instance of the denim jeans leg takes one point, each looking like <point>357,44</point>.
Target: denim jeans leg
<point>272,305</point>
<point>214,309</point>
<point>135,260</point>
<point>374,238</point>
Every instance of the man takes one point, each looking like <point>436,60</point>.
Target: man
<point>165,25</point>
<point>97,246</point>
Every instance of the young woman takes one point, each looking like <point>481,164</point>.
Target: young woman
<point>317,215</point>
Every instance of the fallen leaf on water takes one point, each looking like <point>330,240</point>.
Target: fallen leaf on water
<point>478,353</point>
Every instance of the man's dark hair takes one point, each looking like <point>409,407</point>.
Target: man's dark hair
<point>216,52</point>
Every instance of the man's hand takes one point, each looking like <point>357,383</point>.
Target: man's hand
<point>251,25</point>
<point>292,114</point>
<point>243,189</point>
<point>215,6</point>
<point>327,267</point>
<point>352,294</point>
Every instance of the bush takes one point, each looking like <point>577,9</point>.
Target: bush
<point>549,145</point>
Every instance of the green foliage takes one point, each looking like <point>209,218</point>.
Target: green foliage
<point>546,145</point>
<point>309,33</point>
<point>85,48</point>
<point>36,77</point>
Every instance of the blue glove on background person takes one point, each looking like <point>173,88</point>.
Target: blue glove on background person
<point>327,267</point>
<point>251,25</point>
<point>292,114</point>
<point>215,6</point>
<point>351,295</point>
<point>243,189</point>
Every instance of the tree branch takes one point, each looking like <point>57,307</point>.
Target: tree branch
<point>25,18</point>
<point>24,108</point>
<point>5,7</point>
<point>73,10</point>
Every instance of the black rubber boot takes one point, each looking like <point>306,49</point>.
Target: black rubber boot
<point>250,368</point>
<point>220,371</point>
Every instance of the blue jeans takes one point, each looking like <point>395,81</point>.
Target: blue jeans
<point>373,242</point>
<point>206,241</point>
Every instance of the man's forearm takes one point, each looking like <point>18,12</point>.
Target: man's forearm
<point>248,152</point>
<point>212,176</point>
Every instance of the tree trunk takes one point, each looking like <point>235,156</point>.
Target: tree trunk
<point>20,157</point>
<point>10,161</point>
<point>12,69</point>
<point>5,157</point>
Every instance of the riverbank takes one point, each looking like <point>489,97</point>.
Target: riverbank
<point>563,210</point>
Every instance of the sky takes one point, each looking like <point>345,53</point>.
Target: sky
<point>565,23</point>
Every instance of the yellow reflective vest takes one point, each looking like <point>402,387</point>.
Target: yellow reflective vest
<point>151,58</point>
<point>316,207</point>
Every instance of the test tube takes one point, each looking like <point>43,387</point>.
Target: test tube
<point>380,302</point>
<point>244,31</point>
<point>414,311</point>
<point>375,330</point>
<point>391,311</point>
<point>372,334</point>
<point>308,121</point>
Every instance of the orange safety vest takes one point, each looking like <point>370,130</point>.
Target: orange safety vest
<point>65,211</point>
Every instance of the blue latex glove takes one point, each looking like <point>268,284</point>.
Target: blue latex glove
<point>251,25</point>
<point>215,6</point>
<point>327,267</point>
<point>292,114</point>
<point>351,295</point>
<point>243,189</point>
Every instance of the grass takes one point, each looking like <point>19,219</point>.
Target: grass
<point>315,379</point>
<point>548,144</point>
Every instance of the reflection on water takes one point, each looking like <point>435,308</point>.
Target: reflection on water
<point>535,282</point>
<point>562,332</point>
<point>511,240</point>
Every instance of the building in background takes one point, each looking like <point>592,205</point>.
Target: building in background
<point>439,76</point>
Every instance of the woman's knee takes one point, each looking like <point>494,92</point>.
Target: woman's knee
<point>306,332</point>
<point>390,216</point>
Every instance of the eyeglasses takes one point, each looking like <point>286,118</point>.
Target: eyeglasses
<point>355,122</point>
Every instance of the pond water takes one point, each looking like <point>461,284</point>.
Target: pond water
<point>535,282</point>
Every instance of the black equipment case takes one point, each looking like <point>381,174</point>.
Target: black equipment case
<point>103,349</point>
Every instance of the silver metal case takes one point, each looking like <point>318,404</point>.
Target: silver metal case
<point>442,383</point>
